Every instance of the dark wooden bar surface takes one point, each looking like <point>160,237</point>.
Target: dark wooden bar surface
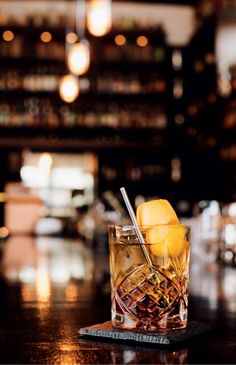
<point>51,287</point>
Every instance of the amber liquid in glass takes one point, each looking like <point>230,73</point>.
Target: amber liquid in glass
<point>147,298</point>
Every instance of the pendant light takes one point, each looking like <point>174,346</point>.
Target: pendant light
<point>79,57</point>
<point>69,88</point>
<point>79,53</point>
<point>99,18</point>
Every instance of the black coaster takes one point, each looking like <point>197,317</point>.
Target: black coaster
<point>162,338</point>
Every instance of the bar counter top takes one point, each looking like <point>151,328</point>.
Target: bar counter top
<point>51,287</point>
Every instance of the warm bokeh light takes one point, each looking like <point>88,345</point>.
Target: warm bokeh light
<point>192,110</point>
<point>42,279</point>
<point>4,232</point>
<point>71,37</point>
<point>177,59</point>
<point>3,197</point>
<point>175,169</point>
<point>79,58</point>
<point>210,58</point>
<point>8,35</point>
<point>27,293</point>
<point>224,86</point>
<point>179,119</point>
<point>69,88</point>
<point>45,163</point>
<point>178,88</point>
<point>72,292</point>
<point>142,41</point>
<point>99,18</point>
<point>45,37</point>
<point>120,40</point>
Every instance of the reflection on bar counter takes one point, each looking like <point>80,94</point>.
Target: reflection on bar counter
<point>228,237</point>
<point>45,260</point>
<point>154,112</point>
<point>214,232</point>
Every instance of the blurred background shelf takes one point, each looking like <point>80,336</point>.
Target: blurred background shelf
<point>139,108</point>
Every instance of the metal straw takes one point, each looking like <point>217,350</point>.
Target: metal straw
<point>136,227</point>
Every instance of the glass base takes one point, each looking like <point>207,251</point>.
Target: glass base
<point>166,322</point>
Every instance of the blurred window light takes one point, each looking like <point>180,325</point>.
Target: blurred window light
<point>59,197</point>
<point>61,177</point>
<point>33,177</point>
<point>8,35</point>
<point>27,274</point>
<point>71,177</point>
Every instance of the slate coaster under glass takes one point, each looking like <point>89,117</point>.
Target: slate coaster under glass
<point>106,330</point>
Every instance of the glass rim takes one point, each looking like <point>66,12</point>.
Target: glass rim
<point>151,226</point>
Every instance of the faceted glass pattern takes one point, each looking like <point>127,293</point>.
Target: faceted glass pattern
<point>144,297</point>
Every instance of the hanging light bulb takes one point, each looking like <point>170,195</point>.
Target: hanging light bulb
<point>79,57</point>
<point>69,88</point>
<point>99,17</point>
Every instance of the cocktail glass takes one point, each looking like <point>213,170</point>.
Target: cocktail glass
<point>149,297</point>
